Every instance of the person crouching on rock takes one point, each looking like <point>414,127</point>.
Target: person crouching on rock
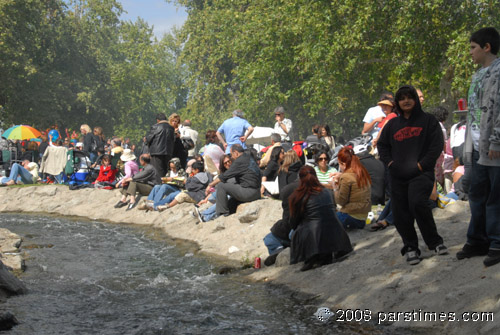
<point>317,231</point>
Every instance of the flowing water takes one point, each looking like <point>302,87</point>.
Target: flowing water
<point>87,277</point>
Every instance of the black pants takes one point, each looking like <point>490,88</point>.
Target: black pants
<point>409,201</point>
<point>160,163</point>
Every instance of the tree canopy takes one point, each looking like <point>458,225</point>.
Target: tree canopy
<point>326,61</point>
<point>74,62</point>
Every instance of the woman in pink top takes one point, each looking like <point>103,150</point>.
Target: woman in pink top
<point>213,149</point>
<point>131,167</point>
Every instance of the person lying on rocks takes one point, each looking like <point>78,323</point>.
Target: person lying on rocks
<point>195,187</point>
<point>142,183</point>
<point>27,173</point>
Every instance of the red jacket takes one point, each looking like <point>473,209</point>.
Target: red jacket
<point>107,174</point>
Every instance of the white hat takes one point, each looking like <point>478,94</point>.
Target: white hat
<point>127,155</point>
<point>79,144</point>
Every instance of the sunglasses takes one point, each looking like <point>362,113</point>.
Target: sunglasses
<point>322,159</point>
<point>227,162</point>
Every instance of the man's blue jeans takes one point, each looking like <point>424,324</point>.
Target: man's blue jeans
<point>484,202</point>
<point>274,243</point>
<point>349,222</point>
<point>19,173</point>
<point>209,213</point>
<point>386,213</point>
<point>163,194</point>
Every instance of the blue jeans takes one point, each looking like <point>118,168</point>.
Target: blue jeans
<point>163,194</point>
<point>484,195</point>
<point>386,213</point>
<point>18,173</point>
<point>209,213</point>
<point>349,222</point>
<point>274,243</point>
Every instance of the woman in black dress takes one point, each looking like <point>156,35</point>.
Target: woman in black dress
<point>317,232</point>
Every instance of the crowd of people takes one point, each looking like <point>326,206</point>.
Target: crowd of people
<point>410,163</point>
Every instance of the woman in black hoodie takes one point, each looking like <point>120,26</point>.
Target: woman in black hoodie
<point>410,145</point>
<point>289,170</point>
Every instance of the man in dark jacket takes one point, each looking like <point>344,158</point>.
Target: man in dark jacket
<point>376,169</point>
<point>160,141</point>
<point>248,180</point>
<point>409,145</point>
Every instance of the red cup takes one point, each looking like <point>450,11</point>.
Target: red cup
<point>462,104</point>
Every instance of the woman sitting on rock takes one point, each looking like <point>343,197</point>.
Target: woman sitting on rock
<point>323,170</point>
<point>271,171</point>
<point>141,183</point>
<point>289,170</point>
<point>317,231</point>
<point>208,214</point>
<point>131,167</point>
<point>352,189</point>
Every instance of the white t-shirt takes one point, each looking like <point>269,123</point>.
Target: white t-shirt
<point>281,132</point>
<point>372,114</point>
<point>33,169</point>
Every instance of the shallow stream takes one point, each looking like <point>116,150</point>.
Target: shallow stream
<point>87,277</point>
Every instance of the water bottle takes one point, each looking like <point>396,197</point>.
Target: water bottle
<point>379,209</point>
<point>370,218</point>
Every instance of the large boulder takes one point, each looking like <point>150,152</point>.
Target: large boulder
<point>10,284</point>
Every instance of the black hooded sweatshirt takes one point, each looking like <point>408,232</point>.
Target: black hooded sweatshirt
<point>406,142</point>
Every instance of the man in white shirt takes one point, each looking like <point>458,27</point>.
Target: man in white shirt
<point>188,132</point>
<point>374,115</point>
<point>282,126</point>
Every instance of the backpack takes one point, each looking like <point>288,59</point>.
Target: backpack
<point>94,144</point>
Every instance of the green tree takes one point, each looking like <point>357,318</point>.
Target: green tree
<point>326,61</point>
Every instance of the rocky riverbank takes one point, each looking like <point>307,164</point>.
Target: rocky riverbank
<point>373,284</point>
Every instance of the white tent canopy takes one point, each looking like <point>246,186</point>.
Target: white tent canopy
<point>260,135</point>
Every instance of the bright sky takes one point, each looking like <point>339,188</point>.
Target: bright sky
<point>158,13</point>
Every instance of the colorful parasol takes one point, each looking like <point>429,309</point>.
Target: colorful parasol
<point>21,132</point>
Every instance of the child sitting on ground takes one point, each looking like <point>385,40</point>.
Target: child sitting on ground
<point>195,187</point>
<point>107,175</point>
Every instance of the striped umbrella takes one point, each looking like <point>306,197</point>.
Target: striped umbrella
<point>21,132</point>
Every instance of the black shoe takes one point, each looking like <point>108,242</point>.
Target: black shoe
<point>492,258</point>
<point>412,257</point>
<point>271,259</point>
<point>131,205</point>
<point>121,204</point>
<point>469,251</point>
<point>199,216</point>
<point>308,266</point>
<point>325,259</point>
<point>441,250</point>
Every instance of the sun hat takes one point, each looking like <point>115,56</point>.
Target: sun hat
<point>127,155</point>
<point>385,102</point>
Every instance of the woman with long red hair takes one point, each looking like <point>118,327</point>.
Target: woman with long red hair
<point>317,232</point>
<point>352,189</point>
